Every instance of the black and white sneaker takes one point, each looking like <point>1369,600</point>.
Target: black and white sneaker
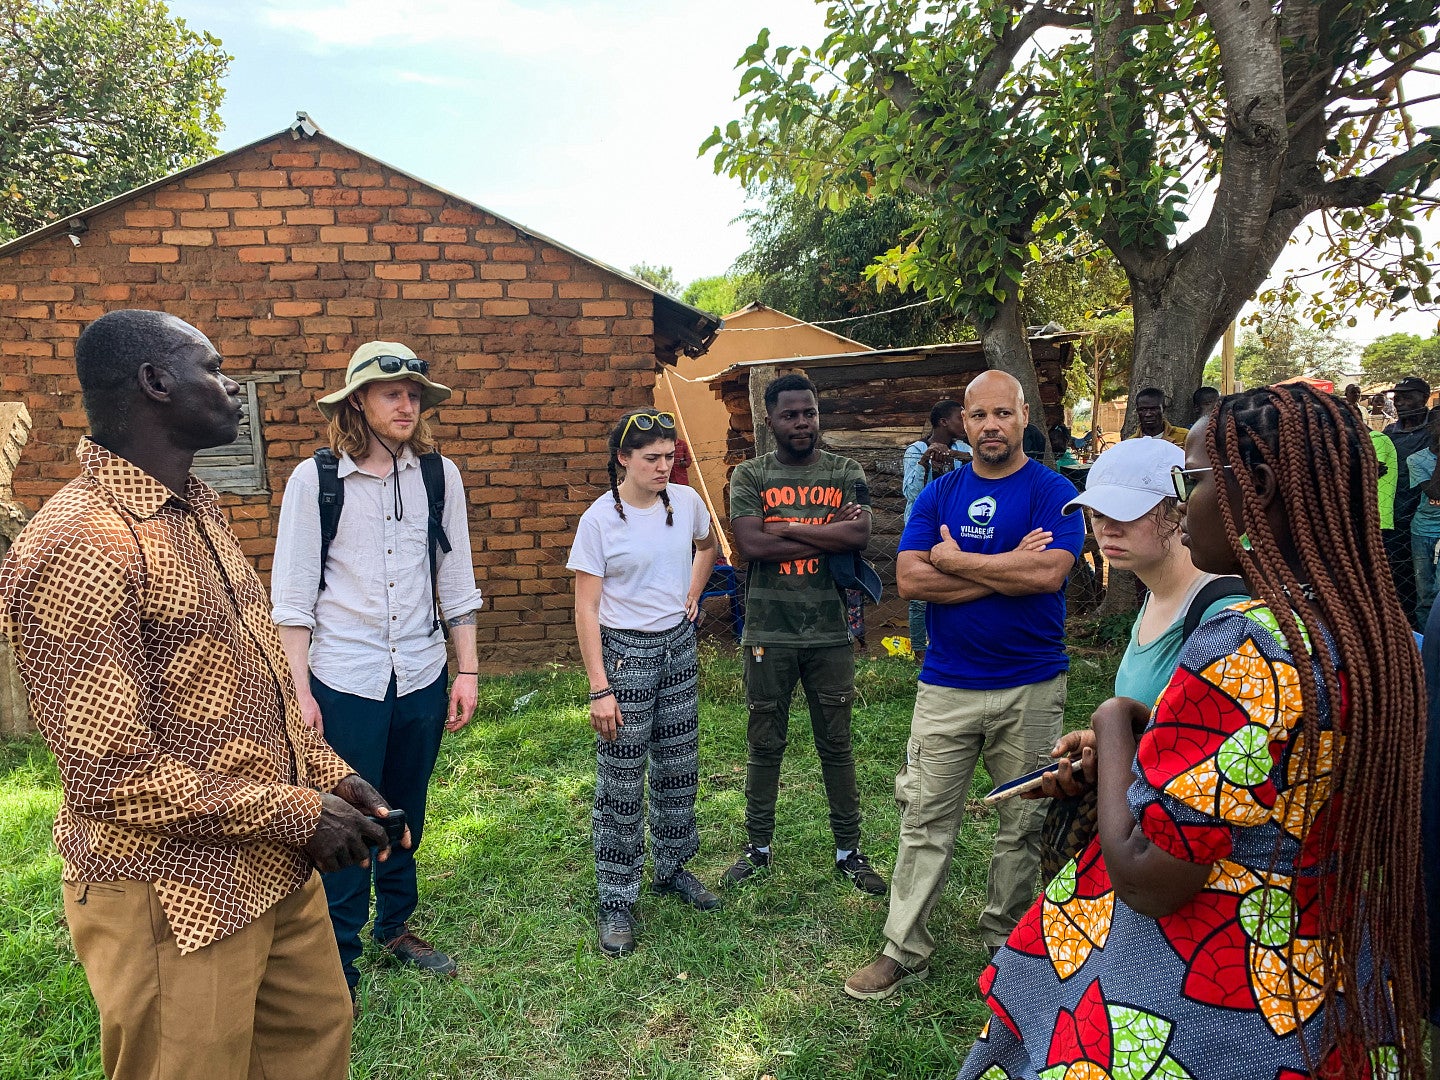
<point>857,868</point>
<point>751,861</point>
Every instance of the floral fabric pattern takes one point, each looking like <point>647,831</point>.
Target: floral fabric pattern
<point>1230,984</point>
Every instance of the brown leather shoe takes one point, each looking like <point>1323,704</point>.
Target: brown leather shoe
<point>878,980</point>
<point>411,948</point>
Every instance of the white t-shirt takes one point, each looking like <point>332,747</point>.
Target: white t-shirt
<point>645,563</point>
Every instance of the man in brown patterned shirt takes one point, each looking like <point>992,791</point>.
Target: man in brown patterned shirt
<point>197,804</point>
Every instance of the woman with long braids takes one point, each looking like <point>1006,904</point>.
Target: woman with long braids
<point>1251,905</point>
<point>643,552</point>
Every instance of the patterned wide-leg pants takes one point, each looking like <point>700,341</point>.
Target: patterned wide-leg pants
<point>654,676</point>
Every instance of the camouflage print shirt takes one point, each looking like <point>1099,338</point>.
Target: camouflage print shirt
<point>794,603</point>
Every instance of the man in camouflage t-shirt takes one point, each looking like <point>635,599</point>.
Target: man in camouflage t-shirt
<point>790,510</point>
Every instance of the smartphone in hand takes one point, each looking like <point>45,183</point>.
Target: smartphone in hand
<point>1023,785</point>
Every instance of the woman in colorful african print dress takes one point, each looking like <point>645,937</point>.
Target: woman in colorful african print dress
<point>1232,892</point>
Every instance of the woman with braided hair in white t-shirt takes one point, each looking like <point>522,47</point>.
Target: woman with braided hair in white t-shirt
<point>643,552</point>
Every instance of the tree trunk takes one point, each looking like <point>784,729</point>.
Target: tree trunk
<point>1170,349</point>
<point>1007,349</point>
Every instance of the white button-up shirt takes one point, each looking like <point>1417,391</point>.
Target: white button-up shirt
<point>375,615</point>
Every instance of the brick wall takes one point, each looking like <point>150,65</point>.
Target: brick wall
<point>288,255</point>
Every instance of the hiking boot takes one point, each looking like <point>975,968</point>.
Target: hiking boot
<point>617,932</point>
<point>857,868</point>
<point>751,861</point>
<point>877,981</point>
<point>411,948</point>
<point>687,887</point>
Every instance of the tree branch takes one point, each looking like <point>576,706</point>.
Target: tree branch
<point>1353,191</point>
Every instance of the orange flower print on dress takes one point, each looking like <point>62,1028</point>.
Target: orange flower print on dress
<point>1073,916</point>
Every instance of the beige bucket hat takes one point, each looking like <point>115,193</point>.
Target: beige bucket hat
<point>385,361</point>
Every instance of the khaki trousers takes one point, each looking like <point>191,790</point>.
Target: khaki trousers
<point>266,1003</point>
<point>1014,731</point>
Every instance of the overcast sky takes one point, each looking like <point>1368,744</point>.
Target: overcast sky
<point>577,118</point>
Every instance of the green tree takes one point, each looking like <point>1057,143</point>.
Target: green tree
<point>662,277</point>
<point>722,293</point>
<point>1281,347</point>
<point>98,97</point>
<point>1389,359</point>
<point>810,261</point>
<point>1283,111</point>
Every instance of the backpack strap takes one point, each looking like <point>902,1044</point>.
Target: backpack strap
<point>432,471</point>
<point>332,501</point>
<point>1210,592</point>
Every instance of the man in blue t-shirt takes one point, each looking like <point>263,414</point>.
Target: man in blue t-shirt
<point>988,547</point>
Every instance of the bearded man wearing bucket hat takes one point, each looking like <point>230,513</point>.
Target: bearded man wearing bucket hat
<point>360,603</point>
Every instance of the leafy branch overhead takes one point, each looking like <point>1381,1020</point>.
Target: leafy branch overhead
<point>98,97</point>
<point>1025,128</point>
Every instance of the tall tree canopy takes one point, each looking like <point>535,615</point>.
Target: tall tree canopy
<point>1282,347</point>
<point>810,261</point>
<point>1024,124</point>
<point>98,97</point>
<point>1389,359</point>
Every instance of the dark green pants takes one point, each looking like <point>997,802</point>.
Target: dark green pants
<point>828,676</point>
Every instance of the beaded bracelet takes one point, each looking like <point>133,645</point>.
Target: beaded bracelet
<point>609,691</point>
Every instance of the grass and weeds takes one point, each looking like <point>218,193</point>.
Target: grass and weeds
<point>507,885</point>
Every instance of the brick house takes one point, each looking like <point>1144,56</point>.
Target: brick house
<point>290,252</point>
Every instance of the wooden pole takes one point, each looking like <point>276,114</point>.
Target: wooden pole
<point>1227,361</point>
<point>697,472</point>
<point>761,376</point>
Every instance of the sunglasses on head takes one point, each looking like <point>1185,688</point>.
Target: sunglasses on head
<point>646,421</point>
<point>1187,480</point>
<point>391,364</point>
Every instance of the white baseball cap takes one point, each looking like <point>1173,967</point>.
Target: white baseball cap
<point>1128,480</point>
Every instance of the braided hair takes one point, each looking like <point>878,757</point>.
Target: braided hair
<point>635,439</point>
<point>1325,470</point>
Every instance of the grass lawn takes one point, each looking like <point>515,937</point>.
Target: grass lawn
<point>507,885</point>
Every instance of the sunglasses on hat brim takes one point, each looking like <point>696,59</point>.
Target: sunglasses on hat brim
<point>391,364</point>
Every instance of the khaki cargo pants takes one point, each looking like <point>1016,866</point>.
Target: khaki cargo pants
<point>1014,731</point>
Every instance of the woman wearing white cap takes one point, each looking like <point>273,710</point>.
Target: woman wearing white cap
<point>1136,519</point>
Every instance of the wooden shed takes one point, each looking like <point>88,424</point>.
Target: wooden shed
<point>875,403</point>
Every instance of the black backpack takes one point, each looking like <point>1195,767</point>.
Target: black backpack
<point>332,501</point>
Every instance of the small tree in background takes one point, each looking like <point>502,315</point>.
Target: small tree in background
<point>1389,359</point>
<point>1280,347</point>
<point>662,277</point>
<point>98,97</point>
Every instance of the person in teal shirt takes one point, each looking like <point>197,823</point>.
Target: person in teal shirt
<point>1135,517</point>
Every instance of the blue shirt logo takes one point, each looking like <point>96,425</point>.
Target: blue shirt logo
<point>982,510</point>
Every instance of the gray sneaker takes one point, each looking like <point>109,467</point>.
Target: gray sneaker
<point>687,887</point>
<point>617,932</point>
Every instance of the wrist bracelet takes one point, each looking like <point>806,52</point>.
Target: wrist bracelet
<point>475,673</point>
<point>596,695</point>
